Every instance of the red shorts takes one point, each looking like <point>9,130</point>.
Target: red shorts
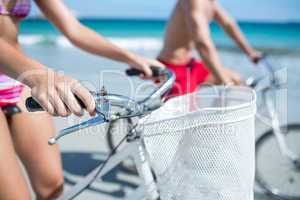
<point>188,76</point>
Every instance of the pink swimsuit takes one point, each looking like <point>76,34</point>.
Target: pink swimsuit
<point>10,90</point>
<point>21,8</point>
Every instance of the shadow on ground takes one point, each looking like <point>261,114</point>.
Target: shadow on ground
<point>78,164</point>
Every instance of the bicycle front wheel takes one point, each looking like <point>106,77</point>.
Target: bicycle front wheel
<point>116,131</point>
<point>275,173</point>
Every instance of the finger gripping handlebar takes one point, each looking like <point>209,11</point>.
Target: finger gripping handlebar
<point>156,72</point>
<point>33,106</point>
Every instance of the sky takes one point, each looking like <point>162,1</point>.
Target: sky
<point>245,10</point>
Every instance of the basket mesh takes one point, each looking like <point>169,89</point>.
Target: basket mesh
<point>201,146</point>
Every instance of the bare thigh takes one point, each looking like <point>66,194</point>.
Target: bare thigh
<point>30,132</point>
<point>10,171</point>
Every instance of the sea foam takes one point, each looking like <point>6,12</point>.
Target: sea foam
<point>132,43</point>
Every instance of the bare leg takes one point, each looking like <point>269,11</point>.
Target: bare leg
<point>30,132</point>
<point>12,184</point>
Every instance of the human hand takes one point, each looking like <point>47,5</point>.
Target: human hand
<point>144,65</point>
<point>230,77</point>
<point>56,94</point>
<point>255,56</point>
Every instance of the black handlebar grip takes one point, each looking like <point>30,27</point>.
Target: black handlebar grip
<point>156,71</point>
<point>33,106</point>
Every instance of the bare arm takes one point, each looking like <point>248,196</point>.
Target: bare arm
<point>19,65</point>
<point>87,39</point>
<point>78,34</point>
<point>233,30</point>
<point>198,27</point>
<point>54,92</point>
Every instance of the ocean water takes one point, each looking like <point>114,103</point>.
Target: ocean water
<point>148,33</point>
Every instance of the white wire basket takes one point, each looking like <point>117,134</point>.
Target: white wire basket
<point>201,145</point>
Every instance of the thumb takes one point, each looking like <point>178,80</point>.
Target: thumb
<point>147,71</point>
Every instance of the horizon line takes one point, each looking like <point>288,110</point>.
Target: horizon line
<point>165,20</point>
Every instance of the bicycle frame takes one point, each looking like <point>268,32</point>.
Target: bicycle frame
<point>274,85</point>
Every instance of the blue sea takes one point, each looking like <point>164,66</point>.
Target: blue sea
<point>150,32</point>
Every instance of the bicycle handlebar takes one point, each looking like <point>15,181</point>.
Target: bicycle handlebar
<point>253,81</point>
<point>104,101</point>
<point>33,106</point>
<point>156,71</point>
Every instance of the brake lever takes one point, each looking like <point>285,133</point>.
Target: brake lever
<point>91,122</point>
<point>103,104</point>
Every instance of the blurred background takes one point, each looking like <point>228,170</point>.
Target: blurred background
<point>267,24</point>
<point>273,26</point>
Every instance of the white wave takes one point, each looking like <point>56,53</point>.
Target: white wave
<point>138,43</point>
<point>63,42</point>
<point>31,39</point>
<point>132,43</point>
